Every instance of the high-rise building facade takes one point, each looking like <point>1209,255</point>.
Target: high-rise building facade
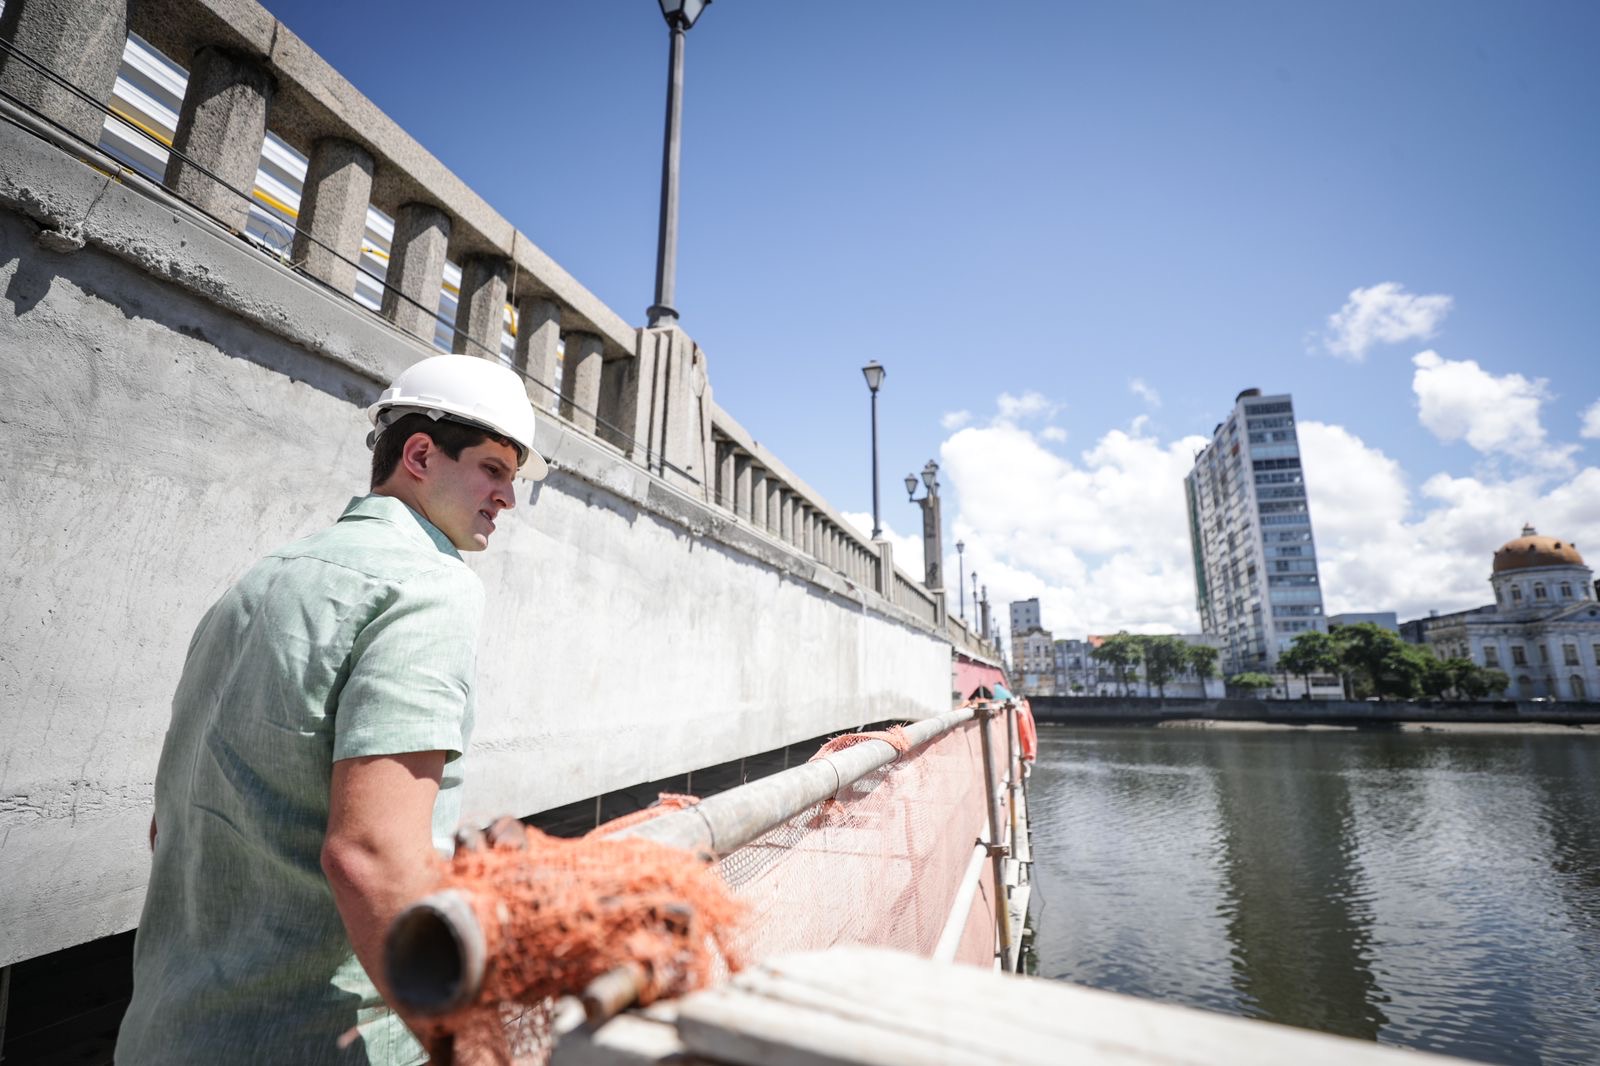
<point>1255,560</point>
<point>1025,615</point>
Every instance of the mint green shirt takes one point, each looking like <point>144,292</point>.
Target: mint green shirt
<point>358,640</point>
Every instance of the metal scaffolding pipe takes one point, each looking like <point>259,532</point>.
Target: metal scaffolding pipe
<point>731,819</point>
<point>435,953</point>
<point>997,849</point>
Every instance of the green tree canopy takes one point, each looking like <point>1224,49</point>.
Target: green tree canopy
<point>1202,660</point>
<point>1163,657</point>
<point>1119,651</point>
<point>1387,665</point>
<point>1311,653</point>
<point>1250,681</point>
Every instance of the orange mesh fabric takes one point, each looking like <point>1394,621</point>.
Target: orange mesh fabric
<point>894,736</point>
<point>562,912</point>
<point>880,863</point>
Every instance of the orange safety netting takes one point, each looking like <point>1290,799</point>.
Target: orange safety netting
<point>879,863</point>
<point>558,913</point>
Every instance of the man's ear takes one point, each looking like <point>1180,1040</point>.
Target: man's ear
<point>418,454</point>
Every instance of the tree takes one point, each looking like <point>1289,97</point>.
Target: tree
<point>1311,653</point>
<point>1163,657</point>
<point>1463,679</point>
<point>1203,661</point>
<point>1388,665</point>
<point>1485,681</point>
<point>1250,682</point>
<point>1119,652</point>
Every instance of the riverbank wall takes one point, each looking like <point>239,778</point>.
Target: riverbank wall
<point>1136,710</point>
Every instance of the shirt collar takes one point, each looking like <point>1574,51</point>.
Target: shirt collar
<point>388,509</point>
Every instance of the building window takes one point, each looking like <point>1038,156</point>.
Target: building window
<point>1569,655</point>
<point>1597,654</point>
<point>1518,656</point>
<point>1497,598</point>
<point>1516,594</point>
<point>1538,590</point>
<point>1566,590</point>
<point>1544,654</point>
<point>1579,692</point>
<point>1491,655</point>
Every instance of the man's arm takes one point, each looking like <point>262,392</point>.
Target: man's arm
<point>378,853</point>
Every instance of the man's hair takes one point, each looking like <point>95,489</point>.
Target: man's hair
<point>452,438</point>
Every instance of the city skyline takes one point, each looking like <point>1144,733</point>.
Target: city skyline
<point>1071,246</point>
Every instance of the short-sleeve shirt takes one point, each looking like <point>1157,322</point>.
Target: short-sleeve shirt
<point>359,640</point>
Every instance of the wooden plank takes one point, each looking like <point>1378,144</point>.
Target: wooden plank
<point>871,1007</point>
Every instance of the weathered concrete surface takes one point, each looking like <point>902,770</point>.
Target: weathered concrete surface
<point>1139,710</point>
<point>315,101</point>
<point>221,125</point>
<point>179,404</point>
<point>79,39</point>
<point>333,210</point>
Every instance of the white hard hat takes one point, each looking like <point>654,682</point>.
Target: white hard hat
<point>465,388</point>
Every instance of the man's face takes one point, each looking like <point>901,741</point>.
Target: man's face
<point>463,496</point>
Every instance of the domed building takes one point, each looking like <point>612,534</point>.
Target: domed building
<point>1543,628</point>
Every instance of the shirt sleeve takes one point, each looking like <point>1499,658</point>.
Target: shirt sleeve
<point>412,669</point>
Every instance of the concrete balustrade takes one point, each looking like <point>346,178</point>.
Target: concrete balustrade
<point>741,486</point>
<point>221,126</point>
<point>649,387</point>
<point>416,268</point>
<point>758,497</point>
<point>538,349</point>
<point>481,308</point>
<point>333,211</point>
<point>79,39</point>
<point>580,380</point>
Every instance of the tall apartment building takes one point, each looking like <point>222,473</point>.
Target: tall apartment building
<point>1025,615</point>
<point>1255,561</point>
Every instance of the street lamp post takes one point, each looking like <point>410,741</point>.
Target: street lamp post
<point>961,548</point>
<point>932,534</point>
<point>874,375</point>
<point>680,16</point>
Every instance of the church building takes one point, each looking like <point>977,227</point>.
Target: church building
<point>1543,629</point>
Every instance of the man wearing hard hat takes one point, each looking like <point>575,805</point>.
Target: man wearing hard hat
<point>313,761</point>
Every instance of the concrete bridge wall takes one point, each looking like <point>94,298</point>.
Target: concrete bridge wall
<point>178,402</point>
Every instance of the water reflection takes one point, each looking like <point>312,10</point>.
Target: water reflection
<point>1436,891</point>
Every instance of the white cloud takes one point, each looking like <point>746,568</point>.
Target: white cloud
<point>1383,314</point>
<point>1144,392</point>
<point>1459,400</point>
<point>1101,537</point>
<point>1029,405</point>
<point>954,420</point>
<point>1054,434</point>
<point>1591,422</point>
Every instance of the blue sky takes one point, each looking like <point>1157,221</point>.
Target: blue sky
<point>1086,226</point>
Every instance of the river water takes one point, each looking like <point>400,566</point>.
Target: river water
<point>1437,891</point>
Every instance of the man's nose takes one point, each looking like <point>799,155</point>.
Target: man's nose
<point>507,496</point>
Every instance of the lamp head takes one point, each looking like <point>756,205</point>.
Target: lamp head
<point>929,474</point>
<point>961,546</point>
<point>682,13</point>
<point>874,375</point>
<point>911,487</point>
